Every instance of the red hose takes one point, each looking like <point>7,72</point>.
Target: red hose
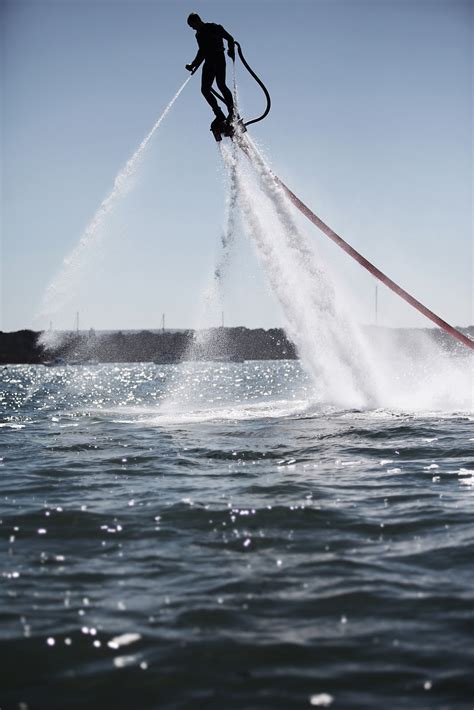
<point>304,209</point>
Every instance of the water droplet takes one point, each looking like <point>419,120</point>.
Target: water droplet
<point>123,640</point>
<point>122,661</point>
<point>322,700</point>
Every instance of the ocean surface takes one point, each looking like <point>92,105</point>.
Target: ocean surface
<point>208,536</point>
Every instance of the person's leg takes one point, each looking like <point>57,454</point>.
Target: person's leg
<point>221,85</point>
<point>208,76</point>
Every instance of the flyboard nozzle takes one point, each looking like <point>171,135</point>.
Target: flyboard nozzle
<point>228,128</point>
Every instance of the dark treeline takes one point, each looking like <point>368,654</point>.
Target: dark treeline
<point>146,346</point>
<point>234,344</point>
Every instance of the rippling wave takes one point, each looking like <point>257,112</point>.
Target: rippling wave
<point>208,535</point>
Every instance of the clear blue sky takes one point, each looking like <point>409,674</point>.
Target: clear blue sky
<point>371,125</point>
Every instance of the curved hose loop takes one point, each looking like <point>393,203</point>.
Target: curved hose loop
<point>259,82</point>
<point>262,86</point>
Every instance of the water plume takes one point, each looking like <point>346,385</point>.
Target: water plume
<point>210,342</point>
<point>314,320</point>
<point>64,285</point>
<point>213,294</point>
<point>349,366</point>
<point>186,391</point>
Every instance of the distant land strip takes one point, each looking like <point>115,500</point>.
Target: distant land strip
<point>215,344</point>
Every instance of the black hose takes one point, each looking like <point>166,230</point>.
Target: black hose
<point>217,95</point>
<point>259,82</point>
<point>262,86</point>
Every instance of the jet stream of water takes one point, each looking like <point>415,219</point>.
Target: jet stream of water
<point>326,340</point>
<point>61,289</point>
<point>348,367</point>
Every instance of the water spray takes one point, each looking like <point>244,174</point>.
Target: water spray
<point>237,131</point>
<point>61,289</point>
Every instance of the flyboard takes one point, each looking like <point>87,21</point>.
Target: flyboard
<point>236,128</point>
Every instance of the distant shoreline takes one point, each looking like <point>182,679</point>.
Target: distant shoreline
<point>169,346</point>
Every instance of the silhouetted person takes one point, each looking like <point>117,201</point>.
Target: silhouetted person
<point>211,51</point>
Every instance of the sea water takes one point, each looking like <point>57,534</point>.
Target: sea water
<point>252,548</point>
<point>254,535</point>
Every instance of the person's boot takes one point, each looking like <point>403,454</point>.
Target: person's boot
<point>217,124</point>
<point>220,118</point>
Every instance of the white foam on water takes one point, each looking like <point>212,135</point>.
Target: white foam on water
<point>420,376</point>
<point>175,415</point>
<point>64,285</point>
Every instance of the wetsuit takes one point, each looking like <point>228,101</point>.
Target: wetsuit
<point>211,50</point>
